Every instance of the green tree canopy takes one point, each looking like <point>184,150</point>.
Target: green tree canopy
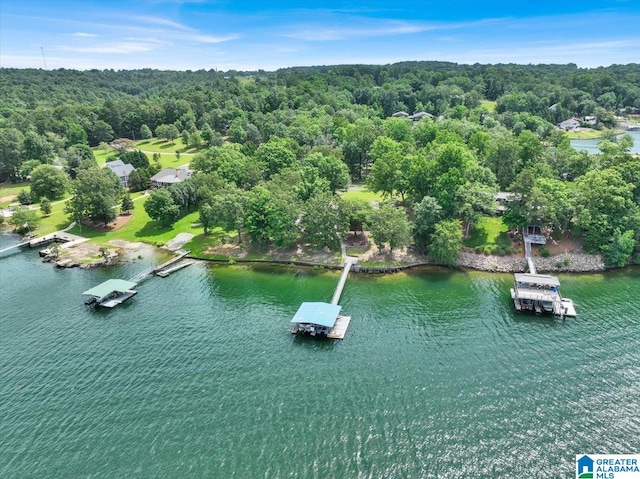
<point>161,207</point>
<point>323,225</point>
<point>47,180</point>
<point>390,226</point>
<point>96,193</point>
<point>446,242</point>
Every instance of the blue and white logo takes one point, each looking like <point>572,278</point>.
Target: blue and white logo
<point>608,466</point>
<point>585,468</point>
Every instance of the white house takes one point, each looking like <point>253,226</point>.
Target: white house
<point>569,125</point>
<point>169,176</point>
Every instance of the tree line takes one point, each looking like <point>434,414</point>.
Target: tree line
<point>274,149</point>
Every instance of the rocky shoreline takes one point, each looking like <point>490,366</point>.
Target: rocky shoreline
<point>89,256</point>
<point>562,263</point>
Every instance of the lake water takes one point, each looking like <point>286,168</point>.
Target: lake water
<point>592,145</point>
<point>198,375</point>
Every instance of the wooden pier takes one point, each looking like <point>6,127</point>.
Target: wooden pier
<point>538,292</point>
<point>348,262</point>
<point>61,236</point>
<point>166,272</point>
<point>9,248</point>
<point>164,266</point>
<point>324,319</point>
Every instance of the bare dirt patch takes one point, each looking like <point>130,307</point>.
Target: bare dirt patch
<point>6,199</point>
<point>555,247</point>
<point>119,222</point>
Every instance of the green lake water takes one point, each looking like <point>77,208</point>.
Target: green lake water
<point>198,375</point>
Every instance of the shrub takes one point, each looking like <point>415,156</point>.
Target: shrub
<point>24,197</point>
<point>544,252</point>
<point>492,249</point>
<point>478,250</point>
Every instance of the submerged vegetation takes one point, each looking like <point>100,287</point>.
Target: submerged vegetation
<point>429,144</point>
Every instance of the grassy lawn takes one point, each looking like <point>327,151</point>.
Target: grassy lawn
<point>362,193</point>
<point>169,160</point>
<point>489,105</point>
<point>167,157</point>
<point>102,156</point>
<point>142,228</point>
<point>490,231</point>
<point>155,145</point>
<point>9,189</point>
<point>200,243</point>
<point>589,134</point>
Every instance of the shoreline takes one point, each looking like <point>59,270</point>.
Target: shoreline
<point>563,263</point>
<point>567,262</point>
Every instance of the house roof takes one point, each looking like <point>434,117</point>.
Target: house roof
<point>110,286</point>
<point>420,114</point>
<point>400,114</point>
<point>322,314</point>
<point>506,196</point>
<point>119,168</point>
<point>569,122</point>
<point>172,175</point>
<point>542,279</point>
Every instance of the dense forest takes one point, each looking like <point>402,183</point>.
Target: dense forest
<point>276,148</point>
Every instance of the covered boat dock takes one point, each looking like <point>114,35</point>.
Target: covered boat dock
<point>540,292</point>
<point>317,318</point>
<point>111,293</point>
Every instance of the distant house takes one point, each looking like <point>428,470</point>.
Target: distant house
<point>122,170</point>
<point>420,115</point>
<point>415,117</point>
<point>590,120</point>
<point>502,199</point>
<point>569,125</point>
<point>169,176</point>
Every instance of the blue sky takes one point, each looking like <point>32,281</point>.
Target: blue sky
<point>249,35</point>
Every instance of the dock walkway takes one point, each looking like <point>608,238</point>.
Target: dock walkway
<point>9,248</point>
<point>178,266</point>
<point>61,236</point>
<point>164,266</point>
<point>348,262</point>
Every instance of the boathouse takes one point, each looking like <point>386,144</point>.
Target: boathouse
<point>111,293</point>
<point>320,319</point>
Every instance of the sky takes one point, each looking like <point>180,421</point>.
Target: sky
<point>250,35</point>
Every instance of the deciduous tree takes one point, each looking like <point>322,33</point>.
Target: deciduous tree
<point>446,242</point>
<point>390,226</point>
<point>47,180</point>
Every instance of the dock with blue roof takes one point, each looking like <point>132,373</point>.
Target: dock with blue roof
<point>325,319</point>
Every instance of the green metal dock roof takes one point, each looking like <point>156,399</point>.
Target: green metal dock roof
<point>110,286</point>
<point>323,314</point>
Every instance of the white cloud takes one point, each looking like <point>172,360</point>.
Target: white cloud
<point>84,35</point>
<point>162,22</point>
<point>359,27</point>
<point>211,38</point>
<point>111,48</point>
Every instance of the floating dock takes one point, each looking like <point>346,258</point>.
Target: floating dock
<point>339,328</point>
<point>166,272</point>
<point>165,266</point>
